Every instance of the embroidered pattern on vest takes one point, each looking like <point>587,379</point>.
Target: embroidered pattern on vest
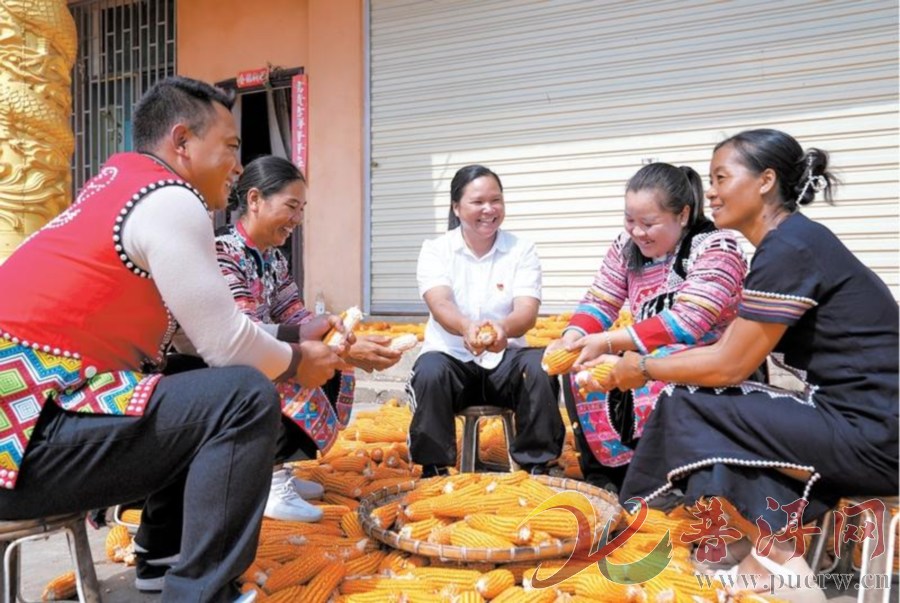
<point>29,377</point>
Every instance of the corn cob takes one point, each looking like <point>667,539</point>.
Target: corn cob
<point>460,506</point>
<point>324,541</point>
<point>61,588</point>
<point>404,342</point>
<point>567,598</point>
<point>291,594</point>
<point>131,516</point>
<point>352,526</point>
<point>402,422</point>
<point>508,479</point>
<point>533,491</point>
<point>465,536</point>
<point>542,538</point>
<point>442,534</point>
<point>323,584</point>
<point>588,380</point>
<point>346,484</point>
<point>280,552</point>
<point>266,565</point>
<point>375,596</point>
<point>254,574</point>
<point>507,527</point>
<point>468,596</point>
<point>557,522</point>
<point>395,562</point>
<point>559,361</point>
<point>486,335</point>
<point>419,530</point>
<point>395,458</point>
<point>351,317</point>
<point>382,472</point>
<point>366,564</point>
<point>367,584</point>
<point>513,594</point>
<point>119,547</point>
<point>370,432</point>
<point>385,515</point>
<point>333,498</point>
<point>274,528</point>
<point>298,571</point>
<point>462,578</point>
<point>494,582</point>
<point>391,482</point>
<point>351,463</point>
<point>594,585</point>
<point>333,512</point>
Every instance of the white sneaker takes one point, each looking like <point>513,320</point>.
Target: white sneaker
<point>305,489</point>
<point>284,503</point>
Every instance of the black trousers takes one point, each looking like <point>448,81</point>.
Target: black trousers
<point>441,385</point>
<point>201,455</point>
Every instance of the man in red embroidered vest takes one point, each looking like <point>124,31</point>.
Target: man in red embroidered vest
<point>89,306</point>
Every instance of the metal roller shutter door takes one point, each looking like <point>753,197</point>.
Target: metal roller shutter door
<point>566,99</point>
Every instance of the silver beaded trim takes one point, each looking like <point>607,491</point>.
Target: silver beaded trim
<point>690,467</point>
<point>768,295</point>
<point>36,346</point>
<point>129,207</point>
<point>747,387</point>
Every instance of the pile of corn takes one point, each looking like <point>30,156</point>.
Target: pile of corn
<point>544,331</point>
<point>391,329</point>
<point>334,560</point>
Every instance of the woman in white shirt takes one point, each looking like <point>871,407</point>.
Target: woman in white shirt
<point>473,276</point>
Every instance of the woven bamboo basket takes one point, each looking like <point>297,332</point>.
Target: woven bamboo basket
<point>605,505</point>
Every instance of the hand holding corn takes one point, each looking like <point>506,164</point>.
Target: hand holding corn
<point>318,362</point>
<point>596,378</point>
<point>373,353</point>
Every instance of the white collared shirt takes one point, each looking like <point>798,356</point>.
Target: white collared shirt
<point>483,288</point>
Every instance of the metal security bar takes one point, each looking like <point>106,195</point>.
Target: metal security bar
<point>124,47</point>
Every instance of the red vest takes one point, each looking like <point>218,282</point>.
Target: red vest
<point>71,290</point>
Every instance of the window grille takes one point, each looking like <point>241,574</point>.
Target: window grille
<point>124,47</point>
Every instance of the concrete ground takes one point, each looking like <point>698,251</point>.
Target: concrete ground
<point>44,560</point>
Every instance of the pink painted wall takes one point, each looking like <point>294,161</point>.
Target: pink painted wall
<point>219,38</point>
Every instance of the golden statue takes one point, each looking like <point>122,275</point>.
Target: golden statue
<point>37,51</point>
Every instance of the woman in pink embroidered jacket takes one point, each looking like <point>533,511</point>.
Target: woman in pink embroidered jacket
<point>271,196</point>
<point>681,279</point>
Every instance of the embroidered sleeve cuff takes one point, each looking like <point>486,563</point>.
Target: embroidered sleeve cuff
<point>762,306</point>
<point>587,323</point>
<point>578,330</point>
<point>637,340</point>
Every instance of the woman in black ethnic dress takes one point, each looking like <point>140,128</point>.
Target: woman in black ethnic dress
<point>817,311</point>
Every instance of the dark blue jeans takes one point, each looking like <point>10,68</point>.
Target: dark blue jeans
<point>201,456</point>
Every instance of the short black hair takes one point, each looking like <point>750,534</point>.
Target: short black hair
<point>175,99</point>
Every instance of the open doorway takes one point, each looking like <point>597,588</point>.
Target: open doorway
<point>263,114</point>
